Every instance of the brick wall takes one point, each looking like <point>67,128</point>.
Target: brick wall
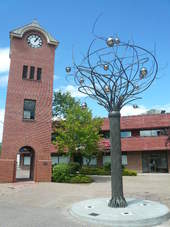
<point>7,170</point>
<point>141,122</point>
<point>17,132</point>
<point>43,171</point>
<point>144,143</point>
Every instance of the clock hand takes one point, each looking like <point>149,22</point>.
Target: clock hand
<point>36,39</point>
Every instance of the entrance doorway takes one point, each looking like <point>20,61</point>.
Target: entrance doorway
<point>155,162</point>
<point>25,164</point>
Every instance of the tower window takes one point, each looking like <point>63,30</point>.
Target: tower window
<point>32,70</point>
<point>29,109</point>
<point>39,70</point>
<point>25,72</point>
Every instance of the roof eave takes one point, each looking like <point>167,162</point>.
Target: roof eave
<point>20,32</point>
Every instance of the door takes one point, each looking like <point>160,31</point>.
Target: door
<point>25,164</point>
<point>155,162</point>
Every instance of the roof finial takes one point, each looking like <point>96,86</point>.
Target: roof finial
<point>35,21</point>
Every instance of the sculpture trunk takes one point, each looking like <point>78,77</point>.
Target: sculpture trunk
<point>117,199</point>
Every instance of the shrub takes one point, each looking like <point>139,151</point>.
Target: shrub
<point>67,173</point>
<point>127,172</point>
<point>61,173</point>
<point>107,166</point>
<point>81,179</point>
<point>103,171</point>
<point>64,173</point>
<point>93,171</point>
<point>74,167</point>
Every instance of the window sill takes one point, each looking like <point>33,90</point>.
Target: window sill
<point>28,120</point>
<point>26,79</point>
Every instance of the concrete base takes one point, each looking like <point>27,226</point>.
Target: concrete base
<point>138,213</point>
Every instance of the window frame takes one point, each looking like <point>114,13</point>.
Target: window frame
<point>129,134</point>
<point>149,133</point>
<point>32,72</point>
<point>29,119</point>
<point>25,72</point>
<point>39,73</point>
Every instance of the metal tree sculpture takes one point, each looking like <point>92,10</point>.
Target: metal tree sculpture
<point>114,74</point>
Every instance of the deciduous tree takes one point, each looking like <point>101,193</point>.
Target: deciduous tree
<point>79,133</point>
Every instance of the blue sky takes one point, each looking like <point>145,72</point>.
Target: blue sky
<point>70,22</point>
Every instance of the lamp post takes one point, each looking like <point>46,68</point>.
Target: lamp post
<point>114,73</point>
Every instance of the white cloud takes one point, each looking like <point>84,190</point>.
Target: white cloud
<point>165,107</point>
<point>4,60</point>
<point>129,110</point>
<point>73,91</point>
<point>3,80</point>
<point>2,113</point>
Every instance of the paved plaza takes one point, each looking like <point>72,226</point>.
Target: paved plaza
<point>29,204</point>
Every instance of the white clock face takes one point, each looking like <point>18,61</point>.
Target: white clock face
<point>34,41</point>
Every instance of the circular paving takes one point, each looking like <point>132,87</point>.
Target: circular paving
<point>138,213</point>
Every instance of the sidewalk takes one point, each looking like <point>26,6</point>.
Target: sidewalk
<point>29,204</point>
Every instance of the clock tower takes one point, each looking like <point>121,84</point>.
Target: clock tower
<point>27,126</point>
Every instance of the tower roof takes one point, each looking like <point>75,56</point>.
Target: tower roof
<point>19,32</point>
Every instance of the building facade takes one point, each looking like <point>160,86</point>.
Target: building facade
<point>145,141</point>
<point>28,113</point>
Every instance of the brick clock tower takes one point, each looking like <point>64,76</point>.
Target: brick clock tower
<point>28,113</point>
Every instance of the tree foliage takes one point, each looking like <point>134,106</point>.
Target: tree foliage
<point>79,131</point>
<point>62,102</point>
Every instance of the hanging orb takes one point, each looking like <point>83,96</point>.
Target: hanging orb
<point>68,69</point>
<point>106,67</point>
<point>84,105</point>
<point>136,87</point>
<point>110,42</point>
<point>107,89</point>
<point>121,98</point>
<point>143,72</point>
<point>117,40</point>
<point>81,80</point>
<point>135,106</point>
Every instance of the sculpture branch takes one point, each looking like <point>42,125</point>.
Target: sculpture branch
<point>115,73</point>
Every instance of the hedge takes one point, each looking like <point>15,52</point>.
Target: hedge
<point>71,173</point>
<point>104,171</point>
<point>128,172</point>
<point>81,179</point>
<point>93,171</point>
<point>66,173</point>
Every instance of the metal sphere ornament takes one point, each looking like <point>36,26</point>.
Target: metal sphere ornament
<point>117,41</point>
<point>121,98</point>
<point>136,87</point>
<point>143,72</point>
<point>68,69</point>
<point>110,42</point>
<point>84,105</point>
<point>106,67</point>
<point>81,80</point>
<point>135,106</point>
<point>107,89</point>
